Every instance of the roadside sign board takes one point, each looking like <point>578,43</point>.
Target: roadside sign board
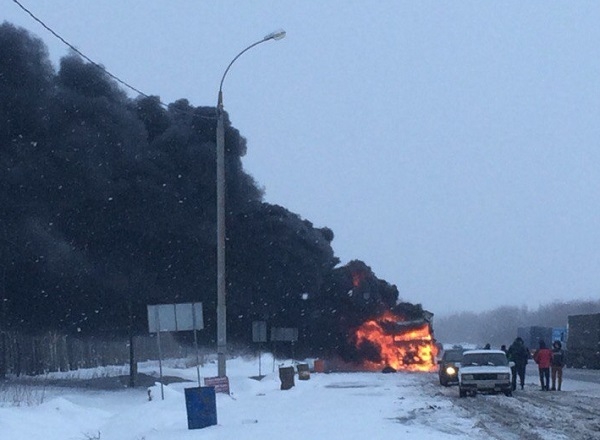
<point>175,317</point>
<point>221,384</point>
<point>286,334</point>
<point>259,331</point>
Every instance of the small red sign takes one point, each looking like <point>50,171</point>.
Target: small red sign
<point>221,384</point>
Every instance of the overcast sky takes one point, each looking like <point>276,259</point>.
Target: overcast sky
<point>452,146</point>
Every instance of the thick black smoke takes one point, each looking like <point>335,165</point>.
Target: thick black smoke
<point>108,204</point>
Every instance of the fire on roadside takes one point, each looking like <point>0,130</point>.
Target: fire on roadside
<point>391,341</point>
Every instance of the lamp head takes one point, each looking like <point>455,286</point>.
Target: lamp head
<point>276,35</point>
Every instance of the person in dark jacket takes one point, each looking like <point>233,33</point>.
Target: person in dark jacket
<point>558,360</point>
<point>519,354</point>
<point>543,357</point>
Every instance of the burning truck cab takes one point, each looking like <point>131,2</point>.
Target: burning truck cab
<point>392,342</point>
<point>367,327</point>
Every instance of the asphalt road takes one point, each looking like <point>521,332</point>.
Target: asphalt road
<point>582,375</point>
<point>569,374</point>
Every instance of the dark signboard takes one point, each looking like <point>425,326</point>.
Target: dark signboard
<point>285,334</point>
<point>259,331</point>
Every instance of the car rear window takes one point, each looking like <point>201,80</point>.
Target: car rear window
<point>495,359</point>
<point>453,356</point>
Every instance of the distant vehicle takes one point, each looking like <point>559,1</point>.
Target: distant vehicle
<point>583,341</point>
<point>560,334</point>
<point>532,335</point>
<point>449,365</point>
<point>484,371</point>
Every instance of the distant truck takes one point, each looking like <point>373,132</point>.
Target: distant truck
<point>583,343</point>
<point>532,335</point>
<point>560,334</point>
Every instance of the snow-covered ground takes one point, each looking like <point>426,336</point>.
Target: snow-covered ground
<point>328,405</point>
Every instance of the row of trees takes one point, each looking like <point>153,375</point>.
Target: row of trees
<point>24,354</point>
<point>499,326</point>
<point>108,204</point>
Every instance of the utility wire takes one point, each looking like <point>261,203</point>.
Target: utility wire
<point>88,59</point>
<point>74,49</point>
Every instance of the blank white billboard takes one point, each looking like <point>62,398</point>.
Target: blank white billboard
<point>175,317</point>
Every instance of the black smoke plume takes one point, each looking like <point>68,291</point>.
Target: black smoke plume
<point>108,204</point>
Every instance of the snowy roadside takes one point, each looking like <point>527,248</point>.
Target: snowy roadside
<point>532,414</point>
<point>336,405</point>
<point>536,415</point>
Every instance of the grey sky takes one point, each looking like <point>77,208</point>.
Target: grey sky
<point>452,146</point>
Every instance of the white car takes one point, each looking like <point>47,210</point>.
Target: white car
<point>485,371</point>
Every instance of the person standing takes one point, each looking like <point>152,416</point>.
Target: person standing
<point>543,357</point>
<point>519,354</point>
<point>558,360</point>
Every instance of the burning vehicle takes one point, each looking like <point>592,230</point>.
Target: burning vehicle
<point>359,324</point>
<point>390,341</point>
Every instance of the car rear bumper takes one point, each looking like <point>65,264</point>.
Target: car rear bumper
<point>486,385</point>
<point>449,379</point>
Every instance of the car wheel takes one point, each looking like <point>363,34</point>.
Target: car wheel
<point>508,393</point>
<point>443,382</point>
<point>462,393</point>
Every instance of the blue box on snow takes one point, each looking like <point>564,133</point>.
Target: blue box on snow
<point>201,405</point>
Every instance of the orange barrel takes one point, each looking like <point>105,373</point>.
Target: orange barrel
<point>319,366</point>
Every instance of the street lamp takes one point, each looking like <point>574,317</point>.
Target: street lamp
<point>221,293</point>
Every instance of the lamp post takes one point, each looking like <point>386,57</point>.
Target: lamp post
<point>221,290</point>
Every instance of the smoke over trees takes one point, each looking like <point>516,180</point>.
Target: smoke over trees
<point>108,204</point>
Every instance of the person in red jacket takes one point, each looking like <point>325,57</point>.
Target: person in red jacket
<point>543,357</point>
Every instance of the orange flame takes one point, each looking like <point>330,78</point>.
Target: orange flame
<point>357,278</point>
<point>409,349</point>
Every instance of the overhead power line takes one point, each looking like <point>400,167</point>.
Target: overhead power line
<point>74,49</point>
<point>88,59</point>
